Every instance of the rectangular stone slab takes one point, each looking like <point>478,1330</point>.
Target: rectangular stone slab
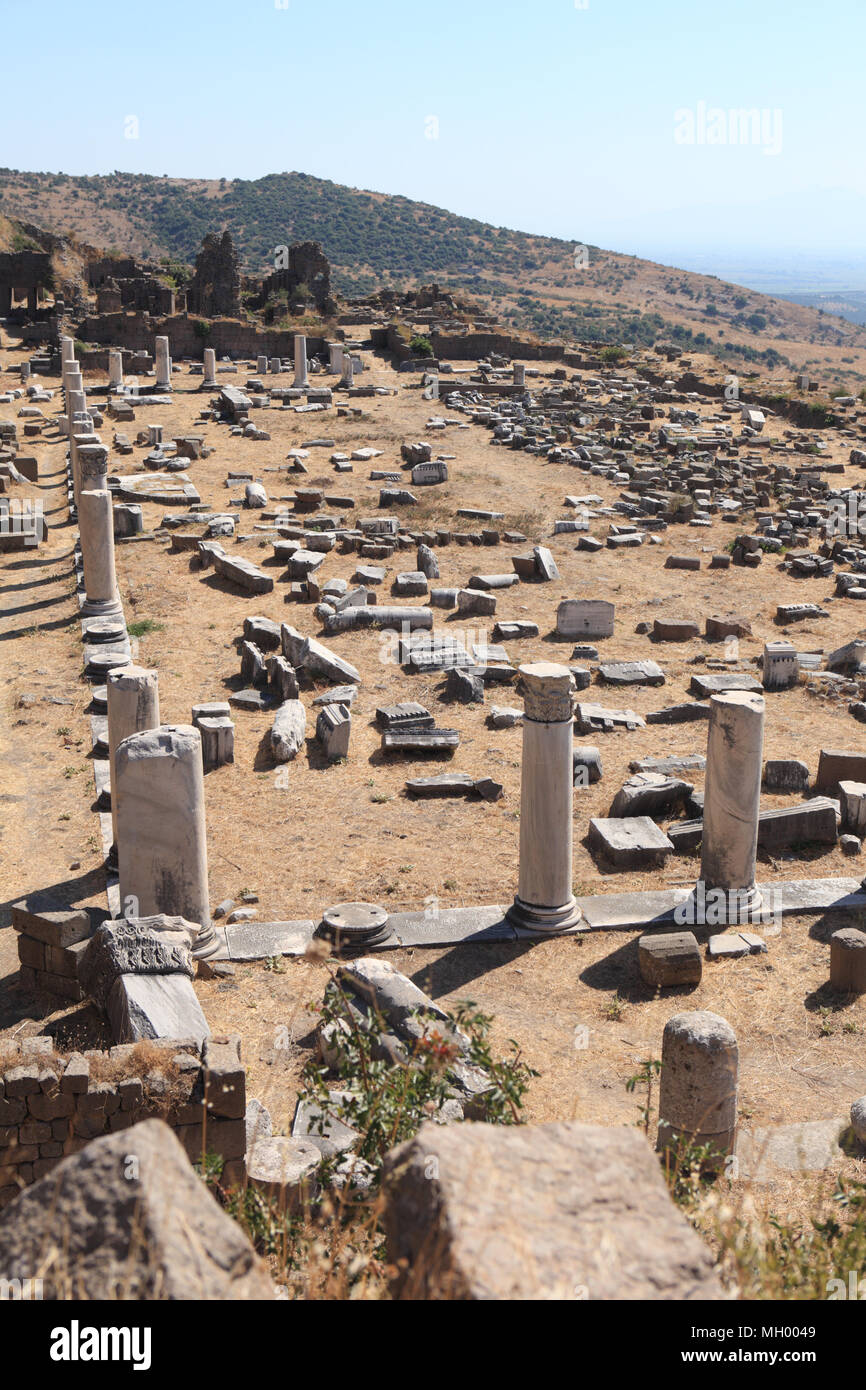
<point>448,925</point>
<point>261,940</point>
<point>591,718</point>
<point>585,618</point>
<point>627,911</point>
<point>631,673</point>
<point>420,740</point>
<point>714,684</point>
<point>765,1155</point>
<point>678,714</point>
<point>449,784</point>
<point>789,825</point>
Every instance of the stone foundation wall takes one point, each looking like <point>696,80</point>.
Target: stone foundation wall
<point>470,346</point>
<point>52,1104</point>
<point>227,336</point>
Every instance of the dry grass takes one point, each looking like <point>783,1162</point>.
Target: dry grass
<point>348,831</point>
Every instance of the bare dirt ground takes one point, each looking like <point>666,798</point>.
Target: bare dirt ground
<point>348,831</point>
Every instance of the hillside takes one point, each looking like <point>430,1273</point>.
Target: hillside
<point>373,239</point>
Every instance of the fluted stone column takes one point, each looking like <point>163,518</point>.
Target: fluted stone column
<point>133,706</point>
<point>261,364</point>
<point>301,378</point>
<point>348,377</point>
<point>699,1078</point>
<point>335,357</point>
<point>161,833</point>
<point>115,372</point>
<point>519,374</point>
<point>96,526</point>
<point>732,794</point>
<point>163,365</point>
<point>545,901</point>
<point>210,380</point>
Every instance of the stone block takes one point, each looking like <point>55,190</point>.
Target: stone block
<point>155,1006</point>
<point>632,843</point>
<point>670,959</point>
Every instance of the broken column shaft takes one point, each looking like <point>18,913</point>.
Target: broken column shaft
<point>699,1077</point>
<point>161,834</point>
<point>163,365</point>
<point>732,799</point>
<point>301,379</point>
<point>545,901</point>
<point>96,527</point>
<point>133,706</point>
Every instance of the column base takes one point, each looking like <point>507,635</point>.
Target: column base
<point>209,386</point>
<point>721,907</point>
<point>544,919</point>
<point>207,944</point>
<point>102,608</point>
<point>163,386</point>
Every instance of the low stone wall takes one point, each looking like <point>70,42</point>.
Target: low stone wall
<point>50,945</point>
<point>52,1103</point>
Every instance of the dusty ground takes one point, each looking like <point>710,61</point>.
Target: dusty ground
<point>349,832</point>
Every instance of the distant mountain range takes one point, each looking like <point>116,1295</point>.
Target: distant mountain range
<point>552,287</point>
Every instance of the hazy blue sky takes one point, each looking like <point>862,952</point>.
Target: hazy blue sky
<point>551,117</point>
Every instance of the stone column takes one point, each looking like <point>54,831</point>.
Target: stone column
<point>76,401</point>
<point>92,461</point>
<point>335,354</point>
<point>698,1092</point>
<point>115,372</point>
<point>80,433</point>
<point>161,835</point>
<point>96,525</point>
<point>301,379</point>
<point>261,364</point>
<point>848,961</point>
<point>519,374</point>
<point>544,900</point>
<point>732,793</point>
<point>210,380</point>
<point>163,365</point>
<point>133,705</point>
<point>348,377</point>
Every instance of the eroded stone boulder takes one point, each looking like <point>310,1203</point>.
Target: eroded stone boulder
<point>127,1218</point>
<point>554,1211</point>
